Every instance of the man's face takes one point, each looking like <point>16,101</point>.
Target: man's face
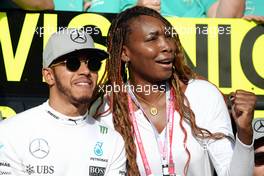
<point>76,86</point>
<point>259,164</point>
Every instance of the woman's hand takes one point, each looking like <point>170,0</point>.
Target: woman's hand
<point>243,106</point>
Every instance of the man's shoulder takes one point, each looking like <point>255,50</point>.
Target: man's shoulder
<point>21,118</point>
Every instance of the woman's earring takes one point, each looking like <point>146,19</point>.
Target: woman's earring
<point>173,68</point>
<point>126,69</point>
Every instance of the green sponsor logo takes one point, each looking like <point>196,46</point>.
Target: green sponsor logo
<point>103,129</point>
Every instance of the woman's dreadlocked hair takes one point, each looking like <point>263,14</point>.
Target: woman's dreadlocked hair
<point>115,75</point>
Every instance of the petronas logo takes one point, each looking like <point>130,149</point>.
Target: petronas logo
<point>103,129</point>
<point>98,149</point>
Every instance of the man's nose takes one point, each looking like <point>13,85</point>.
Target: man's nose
<point>84,67</point>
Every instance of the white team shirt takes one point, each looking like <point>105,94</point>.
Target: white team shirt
<point>38,142</point>
<point>228,157</point>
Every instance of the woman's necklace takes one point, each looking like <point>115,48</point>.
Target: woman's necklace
<point>153,108</point>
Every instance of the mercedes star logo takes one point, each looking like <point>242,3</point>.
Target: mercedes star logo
<point>259,126</point>
<point>78,36</point>
<point>39,148</point>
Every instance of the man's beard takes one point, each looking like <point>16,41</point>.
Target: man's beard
<point>67,93</point>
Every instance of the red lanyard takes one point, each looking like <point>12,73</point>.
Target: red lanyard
<point>139,140</point>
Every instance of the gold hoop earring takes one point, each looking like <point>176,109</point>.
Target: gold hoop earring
<point>173,68</point>
<point>126,69</point>
<point>126,65</point>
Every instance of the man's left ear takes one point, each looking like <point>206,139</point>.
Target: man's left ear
<point>48,75</point>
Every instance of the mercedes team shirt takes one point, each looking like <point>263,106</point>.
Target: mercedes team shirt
<point>42,142</point>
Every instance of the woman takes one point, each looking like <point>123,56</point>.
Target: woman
<point>171,122</point>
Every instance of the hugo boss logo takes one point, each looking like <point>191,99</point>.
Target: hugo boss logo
<point>78,36</point>
<point>96,171</point>
<point>39,148</point>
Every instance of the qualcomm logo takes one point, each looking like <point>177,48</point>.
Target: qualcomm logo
<point>98,149</point>
<point>39,148</point>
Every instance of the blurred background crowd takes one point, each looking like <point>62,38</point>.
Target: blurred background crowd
<point>252,7</point>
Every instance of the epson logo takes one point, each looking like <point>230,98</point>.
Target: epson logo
<point>96,171</point>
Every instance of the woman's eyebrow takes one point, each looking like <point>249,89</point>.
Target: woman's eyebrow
<point>153,33</point>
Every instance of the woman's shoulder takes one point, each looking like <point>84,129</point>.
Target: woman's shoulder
<point>201,90</point>
<point>202,86</point>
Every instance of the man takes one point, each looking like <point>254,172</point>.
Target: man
<point>59,138</point>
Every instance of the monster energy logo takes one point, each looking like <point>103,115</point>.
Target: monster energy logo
<point>103,129</point>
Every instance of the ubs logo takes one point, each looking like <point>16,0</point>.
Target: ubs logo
<point>259,126</point>
<point>43,169</point>
<point>39,148</point>
<point>78,36</point>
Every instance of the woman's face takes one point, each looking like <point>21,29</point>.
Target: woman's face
<point>149,49</point>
